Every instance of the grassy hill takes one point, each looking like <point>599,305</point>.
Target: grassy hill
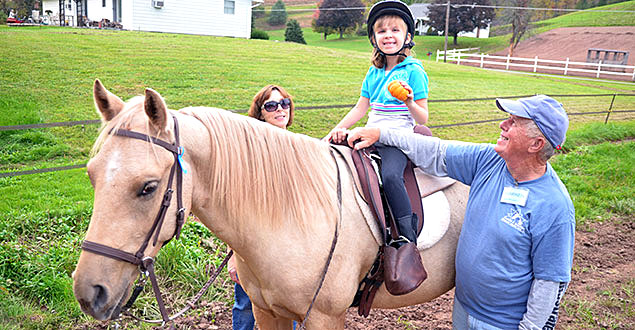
<point>425,44</point>
<point>46,75</point>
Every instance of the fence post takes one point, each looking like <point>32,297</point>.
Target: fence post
<point>481,60</point>
<point>599,69</point>
<point>633,79</point>
<point>535,63</point>
<point>610,109</point>
<point>507,63</point>
<point>458,58</point>
<point>566,66</point>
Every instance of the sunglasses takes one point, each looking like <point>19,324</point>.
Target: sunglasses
<point>272,106</point>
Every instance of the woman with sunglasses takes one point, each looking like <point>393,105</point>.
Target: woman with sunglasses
<point>273,105</point>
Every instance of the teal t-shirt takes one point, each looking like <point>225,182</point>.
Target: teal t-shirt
<point>503,246</point>
<point>386,110</point>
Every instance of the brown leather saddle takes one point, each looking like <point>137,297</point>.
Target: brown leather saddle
<point>367,179</point>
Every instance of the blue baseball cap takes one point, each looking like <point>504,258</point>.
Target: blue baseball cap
<point>547,113</point>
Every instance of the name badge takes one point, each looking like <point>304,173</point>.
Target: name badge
<point>515,195</point>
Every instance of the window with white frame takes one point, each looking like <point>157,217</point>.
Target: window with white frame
<point>229,6</point>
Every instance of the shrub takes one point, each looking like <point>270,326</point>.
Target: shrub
<point>293,32</point>
<point>259,34</point>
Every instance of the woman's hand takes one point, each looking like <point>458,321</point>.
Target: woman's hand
<point>231,268</point>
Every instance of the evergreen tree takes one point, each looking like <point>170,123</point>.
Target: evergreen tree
<point>278,14</point>
<point>293,32</point>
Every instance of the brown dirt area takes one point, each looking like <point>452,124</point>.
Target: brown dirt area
<point>600,295</point>
<point>558,44</point>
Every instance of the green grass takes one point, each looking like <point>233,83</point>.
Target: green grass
<point>46,75</point>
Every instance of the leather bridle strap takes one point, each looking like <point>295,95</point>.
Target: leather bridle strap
<point>146,264</point>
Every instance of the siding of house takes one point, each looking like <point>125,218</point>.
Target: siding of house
<point>193,17</point>
<point>206,17</point>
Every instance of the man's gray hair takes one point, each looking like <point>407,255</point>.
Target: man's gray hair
<point>534,132</point>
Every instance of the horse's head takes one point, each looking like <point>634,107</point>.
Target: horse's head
<point>130,176</point>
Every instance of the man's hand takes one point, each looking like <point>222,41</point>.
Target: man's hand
<point>363,137</point>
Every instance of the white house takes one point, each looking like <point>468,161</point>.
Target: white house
<point>231,18</point>
<point>420,12</point>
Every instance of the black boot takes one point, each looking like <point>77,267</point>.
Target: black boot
<point>407,226</point>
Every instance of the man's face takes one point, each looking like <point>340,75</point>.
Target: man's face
<point>513,141</point>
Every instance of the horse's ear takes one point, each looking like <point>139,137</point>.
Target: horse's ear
<point>107,103</point>
<point>156,109</point>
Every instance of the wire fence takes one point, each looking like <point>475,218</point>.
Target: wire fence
<point>579,105</point>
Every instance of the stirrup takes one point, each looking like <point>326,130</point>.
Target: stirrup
<point>397,242</point>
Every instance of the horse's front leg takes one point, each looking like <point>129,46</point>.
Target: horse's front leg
<point>267,321</point>
<point>317,321</point>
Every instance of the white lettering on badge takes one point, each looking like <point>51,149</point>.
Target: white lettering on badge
<point>515,195</point>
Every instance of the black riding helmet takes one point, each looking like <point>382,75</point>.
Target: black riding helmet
<point>391,7</point>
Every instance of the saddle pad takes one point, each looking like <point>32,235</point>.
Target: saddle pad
<point>436,210</point>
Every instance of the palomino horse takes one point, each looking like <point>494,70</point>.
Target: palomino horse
<point>268,193</point>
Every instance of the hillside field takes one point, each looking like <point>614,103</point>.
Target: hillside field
<point>46,75</point>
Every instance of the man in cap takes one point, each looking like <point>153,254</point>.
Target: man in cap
<point>515,251</point>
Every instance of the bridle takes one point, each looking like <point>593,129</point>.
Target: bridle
<point>146,263</point>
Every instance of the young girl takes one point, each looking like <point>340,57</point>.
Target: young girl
<point>390,30</point>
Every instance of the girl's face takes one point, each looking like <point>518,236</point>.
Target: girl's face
<point>390,34</point>
<point>280,116</point>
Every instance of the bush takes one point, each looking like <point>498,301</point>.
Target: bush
<point>278,14</point>
<point>3,17</point>
<point>293,32</point>
<point>259,34</point>
<point>362,31</point>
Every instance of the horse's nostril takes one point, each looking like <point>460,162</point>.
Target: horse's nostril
<point>101,296</point>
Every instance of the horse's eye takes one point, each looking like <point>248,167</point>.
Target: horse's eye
<point>149,188</point>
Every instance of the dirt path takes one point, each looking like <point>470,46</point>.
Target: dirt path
<point>572,43</point>
<point>558,44</point>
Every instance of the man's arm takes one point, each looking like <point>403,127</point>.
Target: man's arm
<point>428,153</point>
<point>543,305</point>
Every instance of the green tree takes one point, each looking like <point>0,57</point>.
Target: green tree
<point>293,32</point>
<point>339,15</point>
<point>463,16</point>
<point>278,14</point>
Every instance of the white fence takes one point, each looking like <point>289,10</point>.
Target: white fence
<point>566,67</point>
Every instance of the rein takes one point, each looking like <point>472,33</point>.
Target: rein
<point>146,263</point>
<point>333,243</point>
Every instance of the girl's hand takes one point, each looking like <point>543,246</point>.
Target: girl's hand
<point>336,135</point>
<point>411,95</point>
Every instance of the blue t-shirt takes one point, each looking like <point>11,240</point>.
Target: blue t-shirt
<point>504,246</point>
<point>386,110</point>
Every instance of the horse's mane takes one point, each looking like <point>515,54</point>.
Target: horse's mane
<point>258,172</point>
